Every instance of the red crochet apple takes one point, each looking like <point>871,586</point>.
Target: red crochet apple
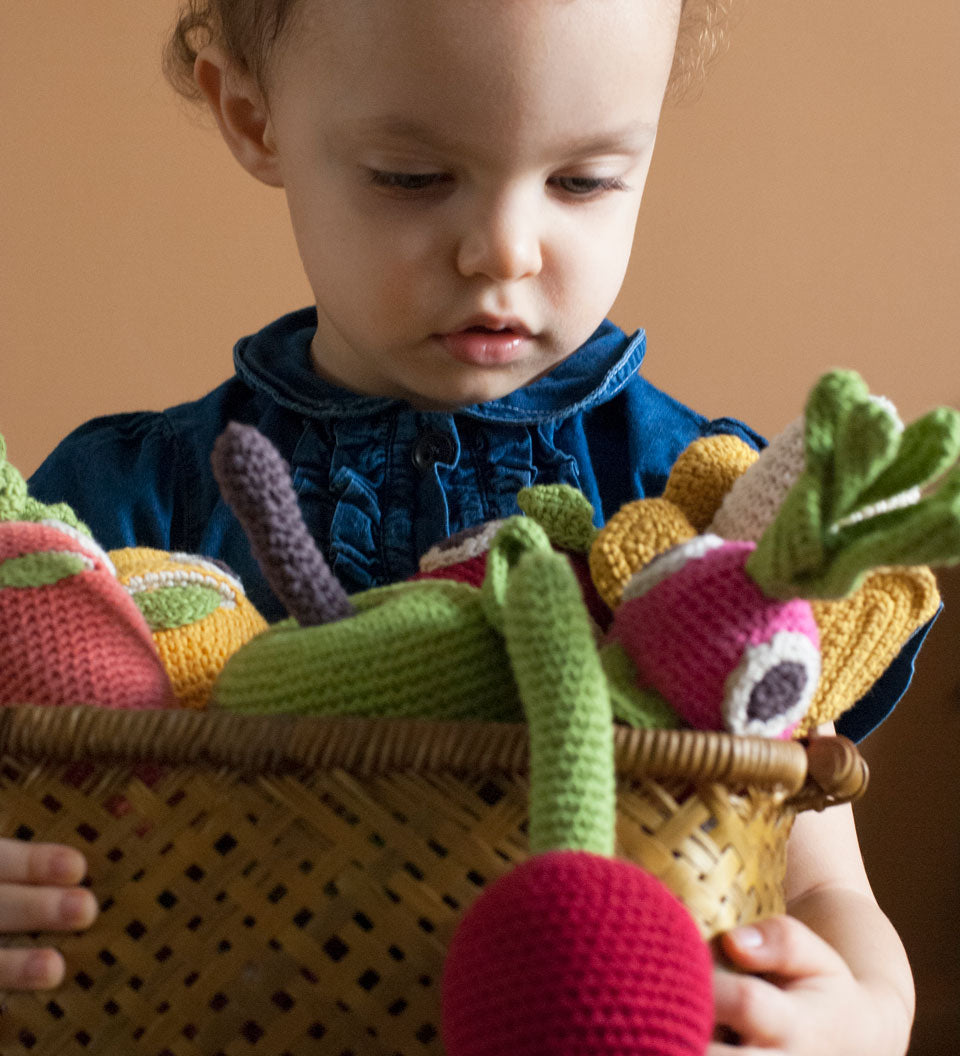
<point>69,632</point>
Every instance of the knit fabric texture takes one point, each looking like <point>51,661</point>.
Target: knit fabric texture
<point>861,635</point>
<point>567,705</point>
<point>69,632</point>
<point>704,474</point>
<point>196,610</point>
<point>255,482</point>
<point>423,649</point>
<point>571,954</point>
<point>722,653</point>
<point>17,505</point>
<point>632,538</point>
<point>752,503</point>
<point>857,454</point>
<point>564,514</point>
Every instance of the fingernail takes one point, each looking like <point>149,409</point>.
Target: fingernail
<point>74,907</point>
<point>747,938</point>
<point>37,970</point>
<point>66,867</point>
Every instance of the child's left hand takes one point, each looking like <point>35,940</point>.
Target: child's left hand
<point>802,1000</point>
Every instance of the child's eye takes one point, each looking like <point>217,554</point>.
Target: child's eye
<point>409,182</point>
<point>585,186</point>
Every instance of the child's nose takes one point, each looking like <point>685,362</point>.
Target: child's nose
<point>501,241</point>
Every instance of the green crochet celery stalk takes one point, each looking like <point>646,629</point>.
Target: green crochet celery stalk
<point>564,692</point>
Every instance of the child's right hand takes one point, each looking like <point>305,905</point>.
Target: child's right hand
<point>39,892</point>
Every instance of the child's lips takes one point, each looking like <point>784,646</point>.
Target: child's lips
<point>485,345</point>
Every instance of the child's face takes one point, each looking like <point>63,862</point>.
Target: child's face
<point>452,164</point>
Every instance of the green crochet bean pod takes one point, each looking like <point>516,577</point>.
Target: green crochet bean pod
<point>564,693</point>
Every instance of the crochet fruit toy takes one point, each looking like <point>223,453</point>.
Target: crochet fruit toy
<point>836,516</point>
<point>69,632</point>
<point>197,612</point>
<point>131,628</point>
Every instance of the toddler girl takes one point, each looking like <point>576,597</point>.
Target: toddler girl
<point>463,179</point>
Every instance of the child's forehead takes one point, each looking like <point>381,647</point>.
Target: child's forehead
<point>499,50</point>
<point>426,23</point>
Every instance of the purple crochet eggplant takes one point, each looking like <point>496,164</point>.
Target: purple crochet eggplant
<point>255,482</point>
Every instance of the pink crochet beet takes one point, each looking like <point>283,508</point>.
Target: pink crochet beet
<point>724,655</point>
<point>573,954</point>
<point>69,632</point>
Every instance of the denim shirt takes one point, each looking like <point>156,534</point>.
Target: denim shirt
<point>378,481</point>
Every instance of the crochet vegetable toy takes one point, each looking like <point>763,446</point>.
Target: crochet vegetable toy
<point>720,632</point>
<point>69,632</point>
<point>842,511</point>
<point>572,953</point>
<point>431,648</point>
<point>129,628</point>
<point>559,954</point>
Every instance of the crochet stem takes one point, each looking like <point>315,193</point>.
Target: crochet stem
<point>564,692</point>
<point>255,482</point>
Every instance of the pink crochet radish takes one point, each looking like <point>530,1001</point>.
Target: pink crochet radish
<point>703,634</point>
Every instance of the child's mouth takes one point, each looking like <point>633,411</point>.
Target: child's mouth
<point>487,343</point>
<point>483,346</point>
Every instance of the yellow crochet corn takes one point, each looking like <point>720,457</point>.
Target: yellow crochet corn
<point>197,611</point>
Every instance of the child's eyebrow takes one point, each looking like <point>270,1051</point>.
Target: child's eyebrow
<point>626,140</point>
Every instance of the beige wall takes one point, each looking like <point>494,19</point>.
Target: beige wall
<point>802,214</point>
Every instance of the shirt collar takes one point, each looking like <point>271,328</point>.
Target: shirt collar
<point>276,361</point>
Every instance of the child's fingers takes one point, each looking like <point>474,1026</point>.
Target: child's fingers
<point>751,1007</point>
<point>782,948</point>
<point>24,908</point>
<point>40,863</point>
<point>31,969</point>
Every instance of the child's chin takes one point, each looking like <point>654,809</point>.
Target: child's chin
<point>452,397</point>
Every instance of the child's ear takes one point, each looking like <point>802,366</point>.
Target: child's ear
<point>240,109</point>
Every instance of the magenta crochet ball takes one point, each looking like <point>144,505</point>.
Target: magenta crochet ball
<point>571,954</point>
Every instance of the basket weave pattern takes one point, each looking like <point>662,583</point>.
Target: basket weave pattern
<point>291,887</point>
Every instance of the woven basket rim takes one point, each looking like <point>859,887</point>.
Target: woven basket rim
<point>273,744</point>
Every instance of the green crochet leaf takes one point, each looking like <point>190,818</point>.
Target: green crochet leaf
<point>829,532</point>
<point>867,441</point>
<point>561,682</point>
<point>17,505</point>
<point>633,704</point>
<point>167,608</point>
<point>13,488</point>
<point>833,392</point>
<point>40,569</point>
<point>564,513</point>
<point>516,536</point>
<point>928,447</point>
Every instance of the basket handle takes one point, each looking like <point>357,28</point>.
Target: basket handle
<point>836,773</point>
<point>813,774</point>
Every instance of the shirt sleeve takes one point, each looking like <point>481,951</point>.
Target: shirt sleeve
<point>884,695</point>
<point>119,473</point>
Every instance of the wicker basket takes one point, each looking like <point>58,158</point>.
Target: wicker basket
<point>289,886</point>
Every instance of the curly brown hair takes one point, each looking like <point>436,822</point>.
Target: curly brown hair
<point>249,30</point>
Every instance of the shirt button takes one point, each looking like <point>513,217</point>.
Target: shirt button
<point>431,448</point>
